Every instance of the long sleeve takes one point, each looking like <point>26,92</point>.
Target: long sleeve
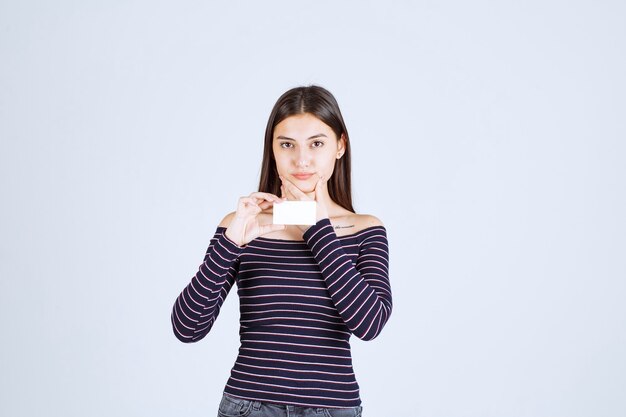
<point>198,305</point>
<point>361,292</point>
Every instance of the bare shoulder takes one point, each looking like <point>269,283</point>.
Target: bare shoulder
<point>363,221</point>
<point>227,219</point>
<point>354,223</point>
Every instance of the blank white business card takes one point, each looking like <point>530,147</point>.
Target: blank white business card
<point>295,212</point>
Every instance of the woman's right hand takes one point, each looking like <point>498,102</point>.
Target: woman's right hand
<point>245,226</point>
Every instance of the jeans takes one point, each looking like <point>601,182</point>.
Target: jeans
<point>238,407</point>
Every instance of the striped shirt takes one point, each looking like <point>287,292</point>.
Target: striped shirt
<point>299,303</point>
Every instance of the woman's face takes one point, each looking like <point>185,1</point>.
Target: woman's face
<point>303,145</point>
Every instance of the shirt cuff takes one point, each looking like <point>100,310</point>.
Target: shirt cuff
<point>230,246</point>
<point>322,223</point>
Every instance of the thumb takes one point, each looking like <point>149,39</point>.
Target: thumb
<point>319,187</point>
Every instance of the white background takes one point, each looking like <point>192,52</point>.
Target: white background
<point>487,136</point>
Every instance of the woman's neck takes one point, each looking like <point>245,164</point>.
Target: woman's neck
<point>334,209</point>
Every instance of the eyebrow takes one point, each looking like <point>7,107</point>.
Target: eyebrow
<point>319,135</point>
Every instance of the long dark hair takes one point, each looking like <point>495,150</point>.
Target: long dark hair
<point>320,103</point>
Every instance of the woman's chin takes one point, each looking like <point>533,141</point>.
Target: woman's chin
<point>306,186</point>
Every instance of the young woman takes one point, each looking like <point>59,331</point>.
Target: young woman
<point>303,290</point>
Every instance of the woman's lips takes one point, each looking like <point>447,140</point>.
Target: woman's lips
<point>303,176</point>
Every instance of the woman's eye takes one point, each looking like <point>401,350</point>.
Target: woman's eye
<point>318,144</point>
<point>285,145</point>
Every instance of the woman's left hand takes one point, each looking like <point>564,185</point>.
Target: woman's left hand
<point>293,193</point>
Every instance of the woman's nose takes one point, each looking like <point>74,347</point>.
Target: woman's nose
<point>303,160</point>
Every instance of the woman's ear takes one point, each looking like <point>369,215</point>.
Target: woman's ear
<point>341,146</point>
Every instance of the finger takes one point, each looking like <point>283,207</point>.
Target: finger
<point>264,196</point>
<point>291,188</point>
<point>254,208</point>
<point>320,180</point>
<point>258,200</point>
<point>289,194</point>
<point>247,202</point>
<point>266,204</point>
<point>321,183</point>
<point>243,201</point>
